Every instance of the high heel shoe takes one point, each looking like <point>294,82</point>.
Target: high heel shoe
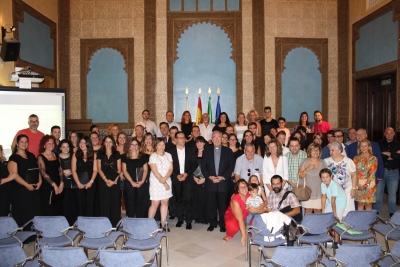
<point>165,228</point>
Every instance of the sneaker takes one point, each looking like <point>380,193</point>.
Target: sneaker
<point>335,245</point>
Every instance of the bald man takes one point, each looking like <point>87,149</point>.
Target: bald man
<point>390,151</point>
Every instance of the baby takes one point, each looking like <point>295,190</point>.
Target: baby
<point>254,200</point>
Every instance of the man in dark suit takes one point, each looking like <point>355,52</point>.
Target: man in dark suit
<point>217,167</point>
<point>184,163</point>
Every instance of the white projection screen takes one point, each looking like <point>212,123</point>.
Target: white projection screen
<point>17,104</point>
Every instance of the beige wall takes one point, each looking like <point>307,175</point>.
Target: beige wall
<point>106,19</point>
<point>46,7</point>
<point>357,11</point>
<point>301,19</point>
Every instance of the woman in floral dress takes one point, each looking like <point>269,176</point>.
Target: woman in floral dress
<point>366,165</point>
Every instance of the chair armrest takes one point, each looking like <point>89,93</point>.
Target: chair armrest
<point>255,230</point>
<point>120,223</point>
<point>26,224</point>
<point>381,219</point>
<point>12,233</point>
<point>336,219</point>
<point>305,229</point>
<point>86,263</point>
<point>109,231</point>
<point>82,233</point>
<point>22,263</point>
<point>64,233</point>
<point>154,235</point>
<point>324,251</point>
<point>348,226</point>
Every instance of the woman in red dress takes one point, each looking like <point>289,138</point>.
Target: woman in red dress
<point>236,214</point>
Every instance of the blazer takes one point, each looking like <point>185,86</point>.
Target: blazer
<point>352,152</point>
<point>226,167</point>
<point>190,163</point>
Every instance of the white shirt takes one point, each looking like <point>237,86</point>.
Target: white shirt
<point>269,170</point>
<point>149,127</point>
<point>174,124</point>
<point>206,132</point>
<point>181,158</point>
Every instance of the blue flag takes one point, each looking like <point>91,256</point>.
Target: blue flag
<point>217,111</point>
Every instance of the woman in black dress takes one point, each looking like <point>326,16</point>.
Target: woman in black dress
<point>199,190</point>
<point>187,124</point>
<point>73,138</point>
<point>5,189</point>
<point>70,204</point>
<point>51,192</point>
<point>25,197</point>
<point>109,168</point>
<point>84,172</point>
<point>222,122</point>
<point>135,170</point>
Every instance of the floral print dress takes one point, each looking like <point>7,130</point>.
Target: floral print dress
<point>366,169</point>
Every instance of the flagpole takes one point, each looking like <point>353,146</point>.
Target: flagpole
<point>187,100</point>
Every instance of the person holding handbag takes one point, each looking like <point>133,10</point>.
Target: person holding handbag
<point>309,173</point>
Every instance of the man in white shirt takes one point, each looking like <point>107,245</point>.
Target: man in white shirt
<point>148,125</point>
<point>169,116</point>
<point>206,127</point>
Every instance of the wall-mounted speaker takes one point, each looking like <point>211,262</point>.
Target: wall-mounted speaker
<point>10,49</point>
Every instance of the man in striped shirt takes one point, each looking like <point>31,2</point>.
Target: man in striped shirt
<point>295,158</point>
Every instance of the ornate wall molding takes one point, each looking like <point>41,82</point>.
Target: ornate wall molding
<point>19,7</point>
<point>64,49</point>
<point>125,47</point>
<point>381,69</point>
<point>343,63</point>
<point>178,22</point>
<point>258,55</point>
<point>319,46</point>
<point>150,54</point>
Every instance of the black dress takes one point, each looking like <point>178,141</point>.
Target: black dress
<point>70,204</point>
<point>187,129</point>
<point>110,200</point>
<point>199,200</point>
<point>136,199</point>
<point>85,197</point>
<point>25,203</point>
<point>5,192</point>
<point>49,175</point>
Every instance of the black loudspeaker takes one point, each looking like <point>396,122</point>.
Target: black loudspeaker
<point>10,49</point>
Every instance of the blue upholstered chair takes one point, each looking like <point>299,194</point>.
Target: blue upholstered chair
<point>259,235</point>
<point>97,232</point>
<point>358,220</point>
<point>126,258</point>
<point>352,255</point>
<point>392,258</point>
<point>389,229</point>
<point>14,255</point>
<point>144,234</point>
<point>64,257</point>
<point>53,231</point>
<point>10,233</point>
<point>289,256</point>
<point>316,228</point>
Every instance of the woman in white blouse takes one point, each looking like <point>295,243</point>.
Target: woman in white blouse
<point>274,163</point>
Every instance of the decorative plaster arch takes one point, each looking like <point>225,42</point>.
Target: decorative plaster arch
<point>230,22</point>
<point>308,48</point>
<point>319,46</point>
<point>125,47</point>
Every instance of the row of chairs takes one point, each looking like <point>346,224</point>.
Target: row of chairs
<point>14,255</point>
<point>314,230</point>
<point>95,233</point>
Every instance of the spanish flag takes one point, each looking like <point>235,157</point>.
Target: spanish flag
<point>199,112</point>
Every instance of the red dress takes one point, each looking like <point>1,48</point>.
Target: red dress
<point>231,224</point>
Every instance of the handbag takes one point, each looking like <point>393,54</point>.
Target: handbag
<point>302,192</point>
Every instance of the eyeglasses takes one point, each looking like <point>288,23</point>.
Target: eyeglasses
<point>337,136</point>
<point>232,139</point>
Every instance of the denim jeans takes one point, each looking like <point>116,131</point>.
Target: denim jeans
<point>391,180</point>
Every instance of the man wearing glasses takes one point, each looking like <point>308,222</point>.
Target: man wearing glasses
<point>249,164</point>
<point>334,135</point>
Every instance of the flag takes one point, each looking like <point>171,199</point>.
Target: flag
<point>209,111</point>
<point>217,111</point>
<point>199,112</point>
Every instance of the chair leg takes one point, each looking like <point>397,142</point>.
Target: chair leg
<point>247,248</point>
<point>158,256</point>
<point>249,255</point>
<point>166,243</point>
<point>387,244</point>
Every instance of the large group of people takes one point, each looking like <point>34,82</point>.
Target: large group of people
<point>217,174</point>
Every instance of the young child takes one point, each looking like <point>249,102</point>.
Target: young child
<point>333,197</point>
<point>255,200</point>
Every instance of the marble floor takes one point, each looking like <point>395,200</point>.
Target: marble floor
<point>199,248</point>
